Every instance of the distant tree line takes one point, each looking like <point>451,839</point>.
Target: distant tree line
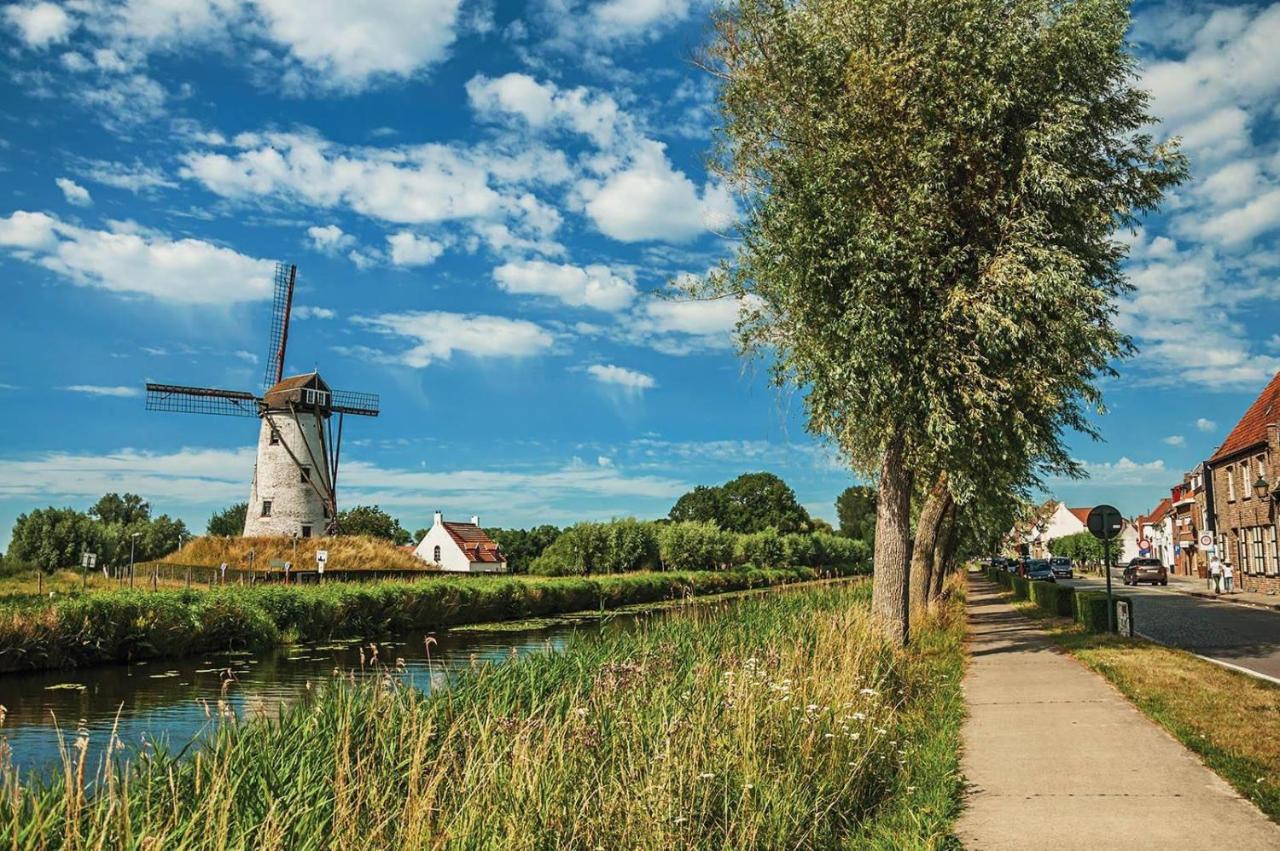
<point>52,538</point>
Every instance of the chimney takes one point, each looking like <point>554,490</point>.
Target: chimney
<point>475,520</point>
<point>439,519</point>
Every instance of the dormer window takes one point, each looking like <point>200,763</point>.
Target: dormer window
<point>319,398</point>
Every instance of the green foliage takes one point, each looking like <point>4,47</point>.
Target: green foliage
<point>1081,548</point>
<point>116,626</point>
<point>1091,609</point>
<point>229,522</point>
<point>127,510</point>
<point>761,549</point>
<point>750,503</point>
<point>1054,598</point>
<point>372,521</point>
<point>694,545</point>
<point>51,538</point>
<point>521,546</point>
<point>856,511</point>
<point>613,547</point>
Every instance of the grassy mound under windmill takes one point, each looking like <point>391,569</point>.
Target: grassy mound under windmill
<point>346,552</point>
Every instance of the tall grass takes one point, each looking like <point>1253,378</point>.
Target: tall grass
<point>124,625</point>
<point>346,552</point>
<point>772,722</point>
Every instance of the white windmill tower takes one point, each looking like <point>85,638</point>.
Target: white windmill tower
<point>295,479</point>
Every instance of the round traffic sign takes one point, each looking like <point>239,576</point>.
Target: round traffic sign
<point>1144,544</point>
<point>1206,540</point>
<point>1105,522</point>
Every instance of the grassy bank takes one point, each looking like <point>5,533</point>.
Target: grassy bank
<point>770,722</point>
<point>1231,720</point>
<point>115,626</point>
<point>346,552</point>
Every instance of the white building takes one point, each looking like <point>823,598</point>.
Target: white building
<point>1033,538</point>
<point>461,547</point>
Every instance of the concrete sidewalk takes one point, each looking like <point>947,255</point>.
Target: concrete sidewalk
<point>1057,759</point>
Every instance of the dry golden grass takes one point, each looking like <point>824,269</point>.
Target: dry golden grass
<point>346,552</point>
<point>1230,719</point>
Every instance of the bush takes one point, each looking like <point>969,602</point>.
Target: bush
<point>761,549</point>
<point>1054,598</point>
<point>694,545</point>
<point>1021,587</point>
<point>614,547</point>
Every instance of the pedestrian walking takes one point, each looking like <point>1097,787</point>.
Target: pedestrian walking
<point>1227,576</point>
<point>1215,574</point>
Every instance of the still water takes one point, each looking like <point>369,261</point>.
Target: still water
<point>168,702</point>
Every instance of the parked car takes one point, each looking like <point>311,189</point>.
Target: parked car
<point>1061,567</point>
<point>1146,570</point>
<point>1020,565</point>
<point>1040,568</point>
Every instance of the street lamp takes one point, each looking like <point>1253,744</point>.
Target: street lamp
<point>133,539</point>
<point>1260,487</point>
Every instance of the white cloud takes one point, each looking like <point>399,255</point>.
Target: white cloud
<point>130,262</point>
<point>1175,440</point>
<point>595,286</point>
<point>542,105</point>
<point>121,103</point>
<point>135,178</point>
<point>309,312</point>
<point>247,357</point>
<point>631,380</point>
<point>632,18</point>
<point>101,390</point>
<point>350,43</point>
<point>410,249</point>
<point>39,24</point>
<point>75,194</point>
<point>438,335</point>
<point>1126,471</point>
<point>329,239</point>
<point>1206,425</point>
<point>651,200</point>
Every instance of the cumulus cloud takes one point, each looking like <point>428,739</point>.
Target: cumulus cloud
<point>596,286</point>
<point>310,312</point>
<point>1126,471</point>
<point>630,380</point>
<point>1206,425</point>
<point>39,24</point>
<point>130,262</point>
<point>542,105</point>
<point>1175,440</point>
<point>438,335</point>
<point>134,177</point>
<point>329,239</point>
<point>102,390</point>
<point>75,194</point>
<point>410,249</point>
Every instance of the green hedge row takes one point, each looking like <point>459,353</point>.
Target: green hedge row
<point>1088,608</point>
<point>119,626</point>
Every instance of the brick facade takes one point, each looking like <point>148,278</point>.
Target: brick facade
<point>1246,520</point>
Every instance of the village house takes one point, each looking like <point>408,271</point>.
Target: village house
<point>1242,483</point>
<point>1056,520</point>
<point>1157,529</point>
<point>460,547</point>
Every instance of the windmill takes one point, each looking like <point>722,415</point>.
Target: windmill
<point>295,479</point>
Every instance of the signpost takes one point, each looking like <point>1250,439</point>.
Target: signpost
<point>1144,544</point>
<point>87,562</point>
<point>1206,540</point>
<point>1105,522</point>
<point>322,556</point>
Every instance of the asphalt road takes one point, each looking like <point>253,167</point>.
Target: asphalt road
<point>1239,635</point>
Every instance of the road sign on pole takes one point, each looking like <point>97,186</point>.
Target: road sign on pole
<point>1206,540</point>
<point>322,557</point>
<point>1144,544</point>
<point>1105,522</point>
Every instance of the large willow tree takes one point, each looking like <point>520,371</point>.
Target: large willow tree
<point>930,191</point>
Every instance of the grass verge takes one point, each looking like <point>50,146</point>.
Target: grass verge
<point>767,722</point>
<point>116,626</point>
<point>1231,720</point>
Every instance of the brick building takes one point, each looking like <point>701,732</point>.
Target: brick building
<point>1243,492</point>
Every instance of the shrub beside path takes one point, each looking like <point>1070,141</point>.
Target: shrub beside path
<point>1055,758</point>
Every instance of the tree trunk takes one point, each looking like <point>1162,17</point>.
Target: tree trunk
<point>926,543</point>
<point>893,533</point>
<point>945,551</point>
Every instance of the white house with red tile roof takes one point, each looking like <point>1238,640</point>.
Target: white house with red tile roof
<point>461,547</point>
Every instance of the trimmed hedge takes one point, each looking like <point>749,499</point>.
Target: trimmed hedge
<point>120,626</point>
<point>1091,609</point>
<point>1088,608</point>
<point>1054,598</point>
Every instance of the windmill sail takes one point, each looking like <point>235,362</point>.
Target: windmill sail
<point>351,402</point>
<point>281,307</point>
<point>201,400</point>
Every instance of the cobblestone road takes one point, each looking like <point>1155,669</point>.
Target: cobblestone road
<point>1239,635</point>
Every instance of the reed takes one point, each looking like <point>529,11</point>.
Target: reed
<point>779,721</point>
<point>129,625</point>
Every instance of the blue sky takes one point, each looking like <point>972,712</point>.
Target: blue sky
<point>482,199</point>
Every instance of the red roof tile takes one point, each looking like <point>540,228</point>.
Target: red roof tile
<point>1252,428</point>
<point>1082,514</point>
<point>474,542</point>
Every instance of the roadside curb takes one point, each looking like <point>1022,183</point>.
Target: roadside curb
<point>1205,595</point>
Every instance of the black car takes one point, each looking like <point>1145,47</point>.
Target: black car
<point>1061,566</point>
<point>1040,568</point>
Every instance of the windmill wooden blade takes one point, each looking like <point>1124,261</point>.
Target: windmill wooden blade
<point>201,400</point>
<point>281,308</point>
<point>351,402</point>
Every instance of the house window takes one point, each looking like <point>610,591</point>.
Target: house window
<point>266,508</point>
<point>1244,550</point>
<point>274,440</point>
<point>315,397</point>
<point>306,474</point>
<point>1273,562</point>
<point>1259,560</point>
<point>306,531</point>
<point>1231,484</point>
<point>435,555</point>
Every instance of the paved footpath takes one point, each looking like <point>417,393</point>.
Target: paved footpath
<point>1056,758</point>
